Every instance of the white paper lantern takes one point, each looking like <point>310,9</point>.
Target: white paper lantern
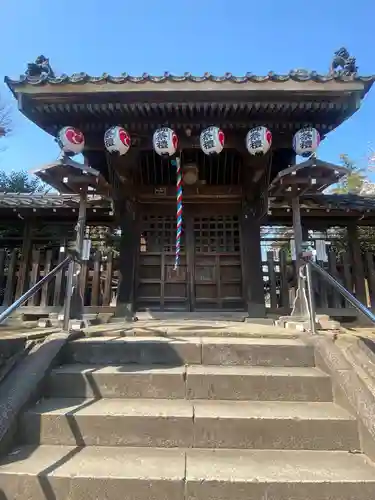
<point>117,140</point>
<point>258,141</point>
<point>165,141</point>
<point>212,140</point>
<point>71,140</point>
<point>306,141</point>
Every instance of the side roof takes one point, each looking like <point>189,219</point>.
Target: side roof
<point>345,203</point>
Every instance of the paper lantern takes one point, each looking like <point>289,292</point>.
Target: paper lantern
<point>306,141</point>
<point>117,140</point>
<point>258,141</point>
<point>212,140</point>
<point>71,140</point>
<point>165,141</point>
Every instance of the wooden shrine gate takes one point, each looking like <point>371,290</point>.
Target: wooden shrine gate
<point>209,275</point>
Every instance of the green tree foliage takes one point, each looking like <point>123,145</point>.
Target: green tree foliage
<point>20,182</point>
<point>353,182</point>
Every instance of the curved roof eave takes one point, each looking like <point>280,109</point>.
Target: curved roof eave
<point>82,78</point>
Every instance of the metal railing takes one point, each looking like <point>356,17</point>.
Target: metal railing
<point>34,289</point>
<point>313,266</point>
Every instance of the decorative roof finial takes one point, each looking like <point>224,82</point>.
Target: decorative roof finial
<point>343,63</point>
<point>40,67</point>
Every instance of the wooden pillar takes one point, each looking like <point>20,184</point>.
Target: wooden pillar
<point>129,246</point>
<point>252,275</point>
<point>25,257</point>
<point>305,232</point>
<point>358,272</point>
<point>74,302</point>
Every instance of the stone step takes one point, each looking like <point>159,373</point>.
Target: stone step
<point>188,350</point>
<point>183,423</point>
<point>193,382</point>
<point>189,328</point>
<point>72,473</point>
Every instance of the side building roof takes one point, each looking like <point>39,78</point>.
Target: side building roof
<point>57,206</point>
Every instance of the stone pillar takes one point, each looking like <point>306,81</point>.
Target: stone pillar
<point>129,246</point>
<point>252,275</point>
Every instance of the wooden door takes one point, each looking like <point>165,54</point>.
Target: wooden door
<point>158,285</point>
<point>209,275</point>
<point>217,263</point>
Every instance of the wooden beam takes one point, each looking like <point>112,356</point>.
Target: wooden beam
<point>88,123</point>
<point>190,192</point>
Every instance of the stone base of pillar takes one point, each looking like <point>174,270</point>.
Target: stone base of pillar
<point>255,310</point>
<point>124,311</point>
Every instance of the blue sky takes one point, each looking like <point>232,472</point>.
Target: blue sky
<point>187,35</point>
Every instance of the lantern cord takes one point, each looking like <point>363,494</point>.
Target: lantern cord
<point>177,164</point>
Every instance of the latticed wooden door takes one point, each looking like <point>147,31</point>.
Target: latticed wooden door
<point>158,285</point>
<point>217,263</point>
<point>209,275</point>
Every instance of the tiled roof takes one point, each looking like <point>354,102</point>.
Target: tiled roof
<point>344,202</point>
<point>315,201</point>
<point>31,200</point>
<point>298,75</point>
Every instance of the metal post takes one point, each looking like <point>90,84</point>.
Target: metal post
<point>81,224</point>
<point>310,292</point>
<point>300,306</point>
<point>68,297</point>
<point>297,229</point>
<point>73,298</point>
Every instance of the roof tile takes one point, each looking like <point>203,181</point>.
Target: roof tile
<point>314,201</point>
<point>299,75</point>
<point>30,200</point>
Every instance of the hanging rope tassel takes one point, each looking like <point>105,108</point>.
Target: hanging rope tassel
<point>177,164</point>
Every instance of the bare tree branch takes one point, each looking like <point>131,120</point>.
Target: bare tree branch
<point>5,119</point>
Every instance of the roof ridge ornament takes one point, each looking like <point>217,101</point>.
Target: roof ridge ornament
<point>343,63</point>
<point>40,68</point>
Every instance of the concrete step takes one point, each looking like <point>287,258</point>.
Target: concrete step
<point>193,382</point>
<point>188,350</point>
<point>183,423</point>
<point>72,473</point>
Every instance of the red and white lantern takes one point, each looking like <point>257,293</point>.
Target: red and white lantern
<point>258,141</point>
<point>117,140</point>
<point>71,140</point>
<point>306,141</point>
<point>212,140</point>
<point>165,141</point>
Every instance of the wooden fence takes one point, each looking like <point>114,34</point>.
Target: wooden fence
<point>99,279</point>
<point>280,283</point>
